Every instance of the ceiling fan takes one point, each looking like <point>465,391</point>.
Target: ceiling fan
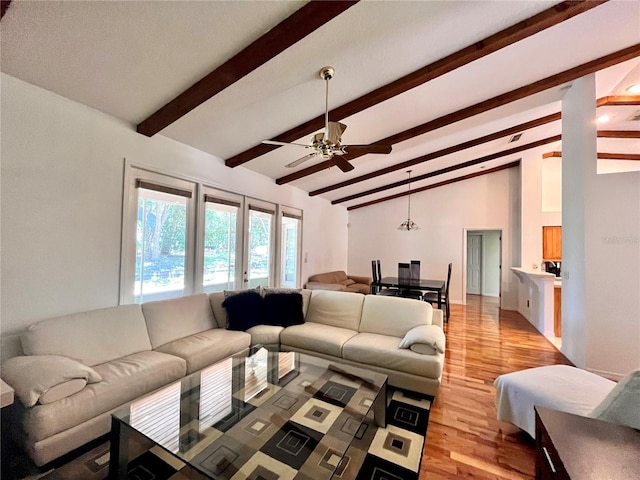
<point>327,144</point>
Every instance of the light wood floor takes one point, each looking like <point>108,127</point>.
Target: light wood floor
<point>464,439</point>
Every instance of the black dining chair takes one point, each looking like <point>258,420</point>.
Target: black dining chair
<point>432,297</point>
<point>376,288</point>
<point>404,275</point>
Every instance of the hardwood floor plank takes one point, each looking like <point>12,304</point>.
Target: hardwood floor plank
<point>464,438</point>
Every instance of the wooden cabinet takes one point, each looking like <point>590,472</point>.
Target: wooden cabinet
<point>552,243</point>
<point>580,448</point>
<point>557,311</point>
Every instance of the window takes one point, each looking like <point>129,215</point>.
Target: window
<point>181,237</point>
<point>260,244</point>
<point>222,221</point>
<point>290,241</point>
<point>156,262</point>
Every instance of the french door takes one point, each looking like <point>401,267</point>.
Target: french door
<point>259,245</point>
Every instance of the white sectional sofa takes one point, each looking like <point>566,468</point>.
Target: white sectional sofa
<point>78,368</point>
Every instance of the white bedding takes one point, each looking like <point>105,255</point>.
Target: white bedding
<point>561,387</point>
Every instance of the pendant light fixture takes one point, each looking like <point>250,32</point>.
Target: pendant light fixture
<point>408,224</point>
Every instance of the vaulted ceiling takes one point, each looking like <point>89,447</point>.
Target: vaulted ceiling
<point>447,84</point>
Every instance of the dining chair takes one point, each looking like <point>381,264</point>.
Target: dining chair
<point>377,276</point>
<point>415,269</point>
<point>432,297</point>
<point>404,275</point>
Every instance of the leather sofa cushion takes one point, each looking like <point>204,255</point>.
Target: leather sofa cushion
<point>383,351</point>
<point>363,288</point>
<point>265,334</point>
<point>338,309</point>
<point>393,316</point>
<point>123,380</point>
<point>205,348</point>
<point>316,337</point>
<point>329,277</point>
<point>169,320</point>
<point>106,334</point>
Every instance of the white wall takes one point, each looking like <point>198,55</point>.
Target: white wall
<point>536,198</point>
<point>62,186</point>
<point>601,248</point>
<point>489,202</point>
<point>491,263</point>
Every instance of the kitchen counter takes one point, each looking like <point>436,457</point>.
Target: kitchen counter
<point>536,298</point>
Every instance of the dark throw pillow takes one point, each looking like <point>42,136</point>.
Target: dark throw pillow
<point>283,309</point>
<point>244,310</point>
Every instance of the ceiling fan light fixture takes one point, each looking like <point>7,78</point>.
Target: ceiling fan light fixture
<point>409,225</point>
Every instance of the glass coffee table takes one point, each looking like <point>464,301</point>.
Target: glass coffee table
<point>263,415</point>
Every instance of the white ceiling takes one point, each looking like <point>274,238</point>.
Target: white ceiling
<point>129,58</point>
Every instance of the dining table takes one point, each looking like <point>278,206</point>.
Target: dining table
<point>415,284</point>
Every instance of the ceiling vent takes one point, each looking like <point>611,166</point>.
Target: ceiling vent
<point>635,117</point>
<point>515,138</point>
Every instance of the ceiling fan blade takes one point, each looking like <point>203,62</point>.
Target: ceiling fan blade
<point>273,142</point>
<point>342,164</point>
<point>334,133</point>
<point>297,162</point>
<point>363,149</point>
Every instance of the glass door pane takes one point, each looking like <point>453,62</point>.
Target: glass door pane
<point>259,264</point>
<point>290,254</point>
<point>160,245</point>
<point>220,232</point>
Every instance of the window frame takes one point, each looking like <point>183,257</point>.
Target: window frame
<point>207,191</point>
<point>194,242</point>
<point>286,211</point>
<point>134,175</point>
<point>260,206</point>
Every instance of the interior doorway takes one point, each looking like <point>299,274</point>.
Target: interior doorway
<point>483,263</point>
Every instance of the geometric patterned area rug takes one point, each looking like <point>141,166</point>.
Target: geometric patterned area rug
<point>391,453</point>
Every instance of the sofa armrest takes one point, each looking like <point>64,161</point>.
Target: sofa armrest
<point>438,318</point>
<point>324,286</point>
<point>357,279</point>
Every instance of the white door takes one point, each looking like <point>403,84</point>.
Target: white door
<point>474,264</point>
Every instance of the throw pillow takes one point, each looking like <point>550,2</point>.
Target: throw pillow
<point>244,310</point>
<point>430,335</point>
<point>283,309</point>
<point>267,290</point>
<point>347,282</point>
<point>33,376</point>
<point>622,404</point>
<point>229,293</point>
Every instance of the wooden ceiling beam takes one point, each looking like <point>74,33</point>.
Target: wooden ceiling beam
<point>436,185</point>
<point>441,153</point>
<point>619,100</point>
<point>452,168</point>
<point>619,133</point>
<point>294,28</point>
<point>4,6</point>
<point>472,143</point>
<point>601,156</point>
<point>500,100</point>
<point>537,23</point>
